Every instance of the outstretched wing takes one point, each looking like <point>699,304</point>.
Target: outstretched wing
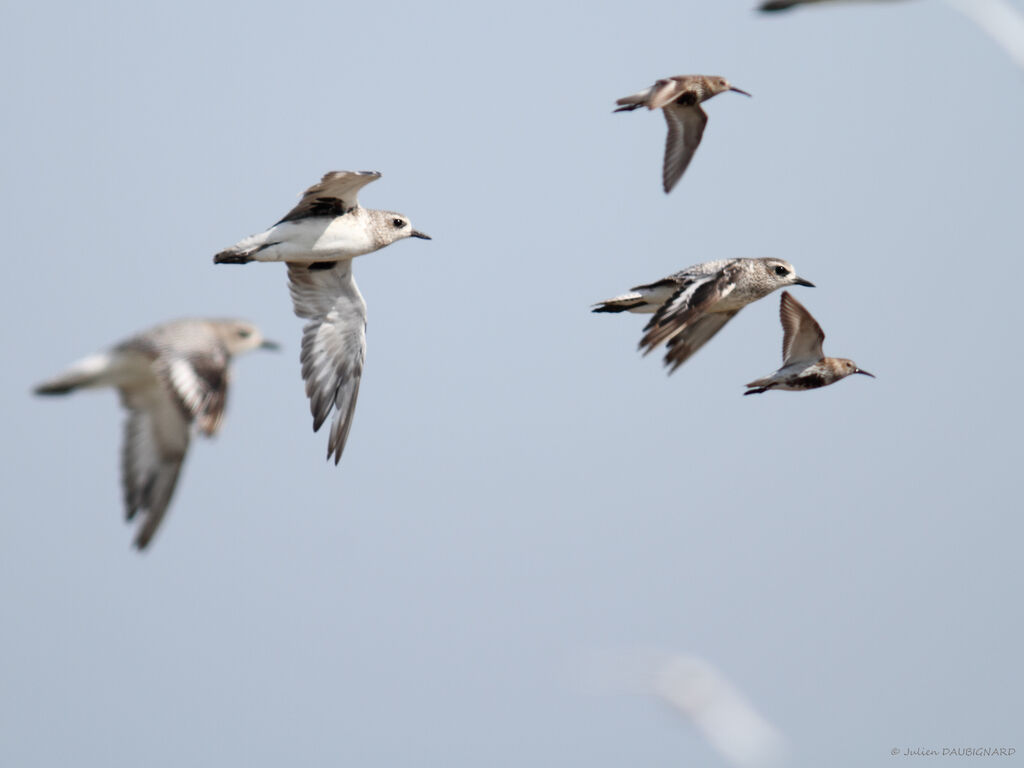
<point>685,130</point>
<point>801,334</point>
<point>333,344</point>
<point>682,346</point>
<point>696,296</point>
<point>334,195</point>
<point>156,439</point>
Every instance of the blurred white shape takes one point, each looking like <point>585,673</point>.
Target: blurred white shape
<point>696,689</point>
<point>1000,20</point>
<point>720,711</point>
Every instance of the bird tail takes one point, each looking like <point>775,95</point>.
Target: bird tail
<point>243,251</point>
<point>633,101</point>
<point>235,255</point>
<point>628,302</point>
<point>88,372</point>
<point>778,5</point>
<point>758,386</point>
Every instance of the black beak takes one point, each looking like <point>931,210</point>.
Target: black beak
<point>420,235</point>
<point>866,373</point>
<point>801,281</point>
<point>738,91</point>
<point>268,344</point>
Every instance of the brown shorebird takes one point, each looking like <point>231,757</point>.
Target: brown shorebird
<point>804,366</point>
<point>691,306</point>
<point>318,239</point>
<point>168,377</point>
<point>679,98</point>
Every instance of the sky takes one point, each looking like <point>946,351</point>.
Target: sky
<point>524,501</point>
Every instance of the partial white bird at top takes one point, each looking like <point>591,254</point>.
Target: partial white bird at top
<point>999,19</point>
<point>168,377</point>
<point>318,239</point>
<point>698,691</point>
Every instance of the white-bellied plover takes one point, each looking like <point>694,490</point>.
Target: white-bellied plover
<point>318,239</point>
<point>168,377</point>
<point>679,98</point>
<point>804,366</point>
<point>691,306</point>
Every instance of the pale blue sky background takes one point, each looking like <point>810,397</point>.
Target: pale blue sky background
<point>520,487</point>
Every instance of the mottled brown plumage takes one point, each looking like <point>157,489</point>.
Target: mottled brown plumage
<point>804,365</point>
<point>679,97</point>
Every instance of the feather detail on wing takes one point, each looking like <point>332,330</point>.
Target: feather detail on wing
<point>156,439</point>
<point>801,335</point>
<point>333,344</point>
<point>682,346</point>
<point>685,130</point>
<point>199,383</point>
<point>334,195</point>
<point>695,296</point>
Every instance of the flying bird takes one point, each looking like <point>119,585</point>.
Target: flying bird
<point>691,306</point>
<point>804,366</point>
<point>168,377</point>
<point>679,98</point>
<point>318,239</point>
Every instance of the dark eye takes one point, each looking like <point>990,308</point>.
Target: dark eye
<point>244,333</point>
<point>399,223</point>
<point>781,271</point>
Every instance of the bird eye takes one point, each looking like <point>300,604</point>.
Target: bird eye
<point>244,333</point>
<point>398,223</point>
<point>781,271</point>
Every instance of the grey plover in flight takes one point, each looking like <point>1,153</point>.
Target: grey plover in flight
<point>785,5</point>
<point>803,364</point>
<point>692,306</point>
<point>318,239</point>
<point>680,99</point>
<point>168,377</point>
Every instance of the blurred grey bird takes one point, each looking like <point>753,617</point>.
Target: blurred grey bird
<point>168,377</point>
<point>804,366</point>
<point>679,97</point>
<point>691,306</point>
<point>999,19</point>
<point>318,239</point>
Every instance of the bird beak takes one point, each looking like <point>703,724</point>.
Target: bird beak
<point>420,235</point>
<point>801,281</point>
<point>866,373</point>
<point>738,91</point>
<point>268,344</point>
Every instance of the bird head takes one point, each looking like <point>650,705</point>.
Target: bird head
<point>781,273</point>
<point>390,226</point>
<point>240,336</point>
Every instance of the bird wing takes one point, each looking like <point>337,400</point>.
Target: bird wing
<point>682,346</point>
<point>156,439</point>
<point>199,383</point>
<point>697,294</point>
<point>685,129</point>
<point>333,344</point>
<point>801,334</point>
<point>334,195</point>
<point>667,90</point>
